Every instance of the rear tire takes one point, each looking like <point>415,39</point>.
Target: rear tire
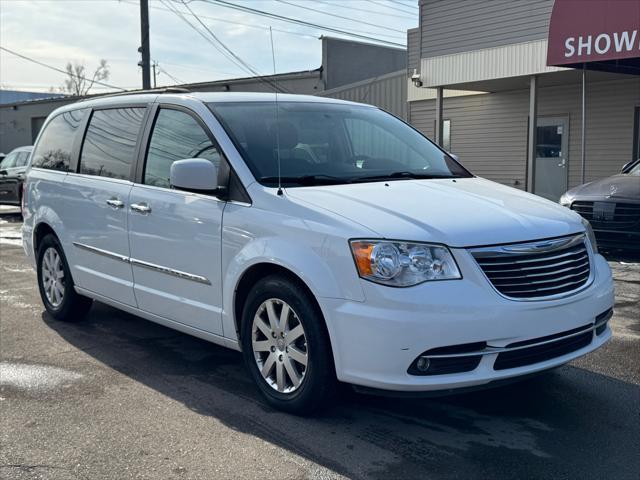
<point>286,346</point>
<point>56,286</point>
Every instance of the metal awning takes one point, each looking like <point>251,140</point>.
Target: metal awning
<point>595,35</point>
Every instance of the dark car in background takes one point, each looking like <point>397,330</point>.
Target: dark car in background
<point>612,206</point>
<point>12,171</point>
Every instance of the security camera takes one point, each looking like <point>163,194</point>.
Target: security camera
<point>415,78</point>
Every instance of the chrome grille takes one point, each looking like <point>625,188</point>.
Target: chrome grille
<point>536,270</point>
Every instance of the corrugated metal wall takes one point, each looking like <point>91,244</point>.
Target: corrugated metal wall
<point>489,131</point>
<point>413,49</point>
<point>453,26</point>
<point>515,60</point>
<point>388,92</point>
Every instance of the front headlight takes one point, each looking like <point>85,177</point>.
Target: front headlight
<point>565,200</point>
<point>590,235</point>
<point>403,264</point>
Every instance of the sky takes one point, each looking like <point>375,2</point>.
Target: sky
<point>55,32</point>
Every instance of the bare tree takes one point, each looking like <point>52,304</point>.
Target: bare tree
<point>78,83</point>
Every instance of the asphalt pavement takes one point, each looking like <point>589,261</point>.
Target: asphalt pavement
<point>117,397</point>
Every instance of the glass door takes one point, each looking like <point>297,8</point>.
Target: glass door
<point>550,177</point>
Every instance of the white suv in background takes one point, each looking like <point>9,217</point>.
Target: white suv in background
<point>327,240</point>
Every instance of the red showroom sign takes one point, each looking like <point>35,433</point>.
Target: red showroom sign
<point>584,31</point>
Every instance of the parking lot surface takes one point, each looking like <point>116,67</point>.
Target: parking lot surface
<point>119,397</point>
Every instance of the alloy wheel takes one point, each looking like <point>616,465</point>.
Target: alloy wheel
<point>279,345</point>
<point>53,280</point>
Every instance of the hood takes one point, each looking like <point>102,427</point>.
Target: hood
<point>461,213</point>
<point>618,186</point>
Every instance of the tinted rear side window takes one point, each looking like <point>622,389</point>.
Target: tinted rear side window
<point>110,143</point>
<point>56,142</point>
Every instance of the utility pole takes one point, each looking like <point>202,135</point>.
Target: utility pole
<point>155,80</point>
<point>144,47</point>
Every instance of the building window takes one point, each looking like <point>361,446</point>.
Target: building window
<point>636,136</point>
<point>446,135</point>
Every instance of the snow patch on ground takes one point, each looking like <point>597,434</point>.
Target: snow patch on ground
<point>14,301</point>
<point>35,377</point>
<point>10,233</point>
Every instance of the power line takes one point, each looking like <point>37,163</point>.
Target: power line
<point>193,27</point>
<point>340,16</point>
<point>221,43</point>
<point>59,69</point>
<point>251,69</point>
<point>177,80</point>
<point>162,70</point>
<point>234,22</point>
<point>395,9</point>
<point>222,48</point>
<point>283,18</point>
<point>403,4</point>
<point>366,34</point>
<point>196,69</point>
<point>365,10</point>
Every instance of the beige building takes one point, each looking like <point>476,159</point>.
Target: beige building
<point>480,71</point>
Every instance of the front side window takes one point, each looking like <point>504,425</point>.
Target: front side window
<point>56,142</point>
<point>9,161</point>
<point>23,159</point>
<point>330,143</point>
<point>110,143</point>
<point>176,136</point>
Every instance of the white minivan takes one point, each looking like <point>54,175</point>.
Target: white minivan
<point>328,241</point>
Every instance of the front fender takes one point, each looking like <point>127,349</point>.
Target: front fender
<point>322,267</point>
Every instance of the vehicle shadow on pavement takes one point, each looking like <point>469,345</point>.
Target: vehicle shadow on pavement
<point>567,423</point>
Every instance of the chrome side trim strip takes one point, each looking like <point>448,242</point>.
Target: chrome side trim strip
<point>140,263</point>
<point>99,251</point>
<point>493,350</point>
<point>171,271</point>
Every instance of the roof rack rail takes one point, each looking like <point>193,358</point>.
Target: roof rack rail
<point>139,92</point>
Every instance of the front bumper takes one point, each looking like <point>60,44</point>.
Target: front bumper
<point>376,341</point>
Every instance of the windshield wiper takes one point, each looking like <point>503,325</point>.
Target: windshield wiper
<point>401,175</point>
<point>307,180</point>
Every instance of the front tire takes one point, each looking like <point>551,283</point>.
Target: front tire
<point>56,286</point>
<point>286,347</point>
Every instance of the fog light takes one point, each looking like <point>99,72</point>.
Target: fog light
<point>423,364</point>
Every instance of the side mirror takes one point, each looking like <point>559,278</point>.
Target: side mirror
<point>195,175</point>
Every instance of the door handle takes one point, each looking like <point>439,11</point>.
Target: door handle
<point>115,203</point>
<point>142,208</point>
<point>562,163</point>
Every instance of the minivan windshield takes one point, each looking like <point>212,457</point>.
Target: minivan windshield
<point>330,143</point>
